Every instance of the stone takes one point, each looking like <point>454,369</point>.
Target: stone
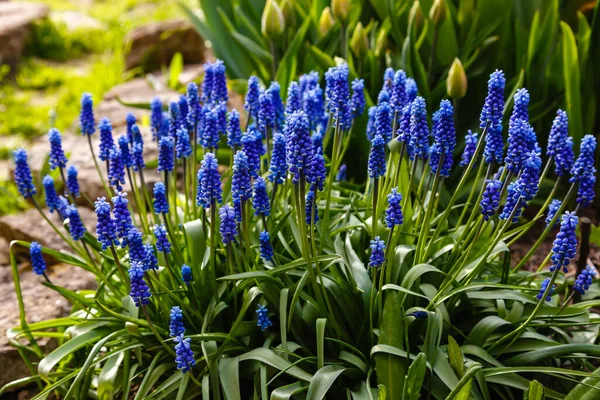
<point>41,303</point>
<point>74,20</point>
<point>16,22</point>
<point>29,226</point>
<point>154,45</point>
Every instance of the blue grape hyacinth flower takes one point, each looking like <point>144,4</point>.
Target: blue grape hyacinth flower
<point>251,102</point>
<point>377,257</point>
<point>584,171</point>
<point>521,106</point>
<point>543,288</point>
<point>130,122</point>
<point>126,157</point>
<point>183,148</point>
<point>209,182</point>
<point>376,165</point>
<point>52,201</point>
<point>517,145</point>
<point>564,158</point>
<point>311,209</point>
<point>564,247</point>
<point>419,131</point>
<point>106,140</point>
<point>162,241</point>
<point>299,149</point>
<point>116,170</point>
<point>260,199</point>
<point>106,229</point>
<point>161,205</point>
<point>411,89</point>
<point>193,103</point>
<point>186,274</point>
<point>337,94</point>
<point>490,199</point>
<point>210,130</point>
<point>22,174</point>
<point>156,118</point>
<point>398,96</point>
<point>313,107</point>
<point>383,121</point>
<point>470,147</point>
<point>266,249</point>
<point>357,101</point>
<point>342,173</point>
<point>253,147</point>
<point>137,250</point>
<point>266,112</point>
<point>139,292</point>
<point>371,123</point>
<point>275,91</point>
<point>278,168</point>
<point>393,214</point>
<point>76,227</point>
<point>176,326</point>
<point>491,116</point>
<point>184,356</point>
<point>234,132</point>
<point>38,264</point>
<point>151,260</point>
<point>57,158</point>
<point>165,155</point>
<point>584,279</point>
<point>553,208</point>
<point>122,216</point>
<point>263,320</point>
<point>558,133</point>
<point>241,185</point>
<point>294,99</point>
<point>228,227</point>
<point>317,173</point>
<point>86,115</point>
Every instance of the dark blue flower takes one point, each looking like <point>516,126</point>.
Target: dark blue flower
<point>162,241</point>
<point>564,247</point>
<point>252,146</point>
<point>76,227</point>
<point>383,121</point>
<point>530,175</point>
<point>543,288</point>
<point>317,142</point>
<point>491,198</point>
<point>106,229</point>
<point>57,158</point>
<point>260,200</point>
<point>311,210</point>
<point>470,147</point>
<point>186,274</point>
<point>130,122</point>
<point>139,292</point>
<point>184,110</point>
<point>514,202</point>
<point>564,158</point>
<point>207,83</point>
<point>219,82</point>
<point>357,101</point>
<point>184,356</point>
<point>176,327</point>
<point>22,174</point>
<point>116,171</point>
<point>209,182</point>
<point>234,132</point>
<point>37,260</point>
<point>491,116</point>
<point>156,118</point>
<point>341,174</point>
<point>137,250</point>
<point>418,314</point>
<point>377,253</point>
<point>584,171</point>
<point>558,133</point>
<point>183,148</point>
<point>122,216</point>
<point>398,88</point>
<point>137,152</point>
<point>228,227</point>
<point>266,112</point>
<point>193,104</point>
<point>165,154</point>
<point>174,119</point>
<point>263,318</point>
<point>165,126</point>
<point>220,111</point>
<point>251,103</point>
<point>309,81</point>
<point>518,146</point>
<point>312,105</point>
<point>210,133</point>
<point>393,214</point>
<point>241,186</point>
<point>294,99</point>
<point>584,279</point>
<point>278,167</point>
<point>337,94</point>
<point>86,115</point>
<point>275,91</point>
<point>388,78</point>
<point>151,260</point>
<point>63,207</point>
<point>298,149</point>
<point>376,164</point>
<point>51,197</point>
<point>553,208</point>
<point>161,205</point>
<point>317,173</point>
<point>445,139</point>
<point>126,157</point>
<point>266,249</point>
<point>521,105</point>
<point>106,139</point>
<point>419,131</point>
<point>383,96</point>
<point>411,90</point>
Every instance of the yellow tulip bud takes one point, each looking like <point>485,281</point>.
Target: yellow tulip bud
<point>456,83</point>
<point>437,12</point>
<point>381,42</point>
<point>326,21</point>
<point>272,22</point>
<point>416,14</point>
<point>359,42</point>
<point>289,14</point>
<point>340,9</point>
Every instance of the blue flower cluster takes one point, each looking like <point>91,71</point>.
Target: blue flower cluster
<point>377,257</point>
<point>543,288</point>
<point>139,292</point>
<point>209,182</point>
<point>584,279</point>
<point>564,247</point>
<point>263,320</point>
<point>176,327</point>
<point>266,249</point>
<point>38,264</point>
<point>228,227</point>
<point>393,214</point>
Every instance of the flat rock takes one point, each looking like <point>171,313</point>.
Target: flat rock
<point>29,226</point>
<point>154,45</point>
<point>41,303</point>
<point>16,19</point>
<point>74,20</point>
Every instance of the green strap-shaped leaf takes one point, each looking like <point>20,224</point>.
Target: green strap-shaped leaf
<point>415,377</point>
<point>390,369</point>
<point>455,357</point>
<point>322,381</point>
<point>572,77</point>
<point>229,373</point>
<point>535,391</point>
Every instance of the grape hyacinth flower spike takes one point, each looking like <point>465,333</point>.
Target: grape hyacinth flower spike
<point>165,155</point>
<point>162,242</point>
<point>377,257</point>
<point>76,227</point>
<point>260,199</point>
<point>72,182</point>
<point>116,170</point>
<point>393,214</point>
<point>186,274</point>
<point>584,171</point>
<point>419,131</point>
<point>139,292</point>
<point>543,288</point>
<point>156,118</point>
<point>558,133</point>
<point>176,326</point>
<point>376,165</point>
<point>57,158</point>
<point>584,280</point>
<point>470,147</point>
<point>490,199</point>
<point>184,356</point>
<point>86,115</point>
<point>299,150</point>
<point>106,140</point>
<point>263,320</point>
<point>234,132</point>
<point>278,168</point>
<point>553,208</point>
<point>161,205</point>
<point>564,247</point>
<point>52,201</point>
<point>357,101</point>
<point>228,227</point>
<point>266,249</point>
<point>38,264</point>
<point>22,174</point>
<point>294,99</point>
<point>491,117</point>
<point>106,228</point>
<point>209,182</point>
<point>122,216</point>
<point>317,172</point>
<point>251,103</point>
